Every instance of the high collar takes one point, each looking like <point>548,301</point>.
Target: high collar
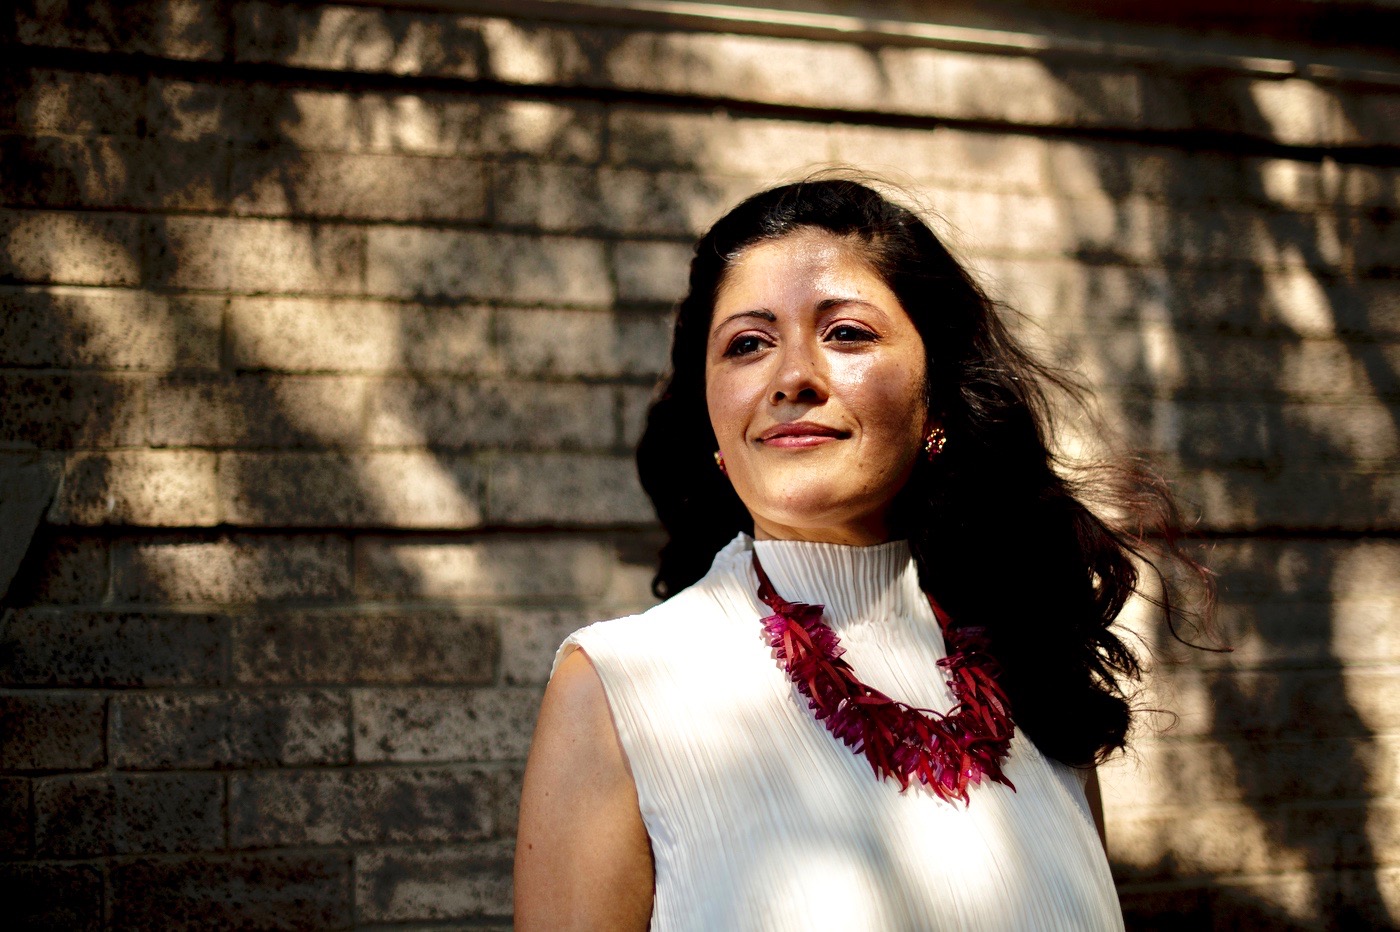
<point>856,584</point>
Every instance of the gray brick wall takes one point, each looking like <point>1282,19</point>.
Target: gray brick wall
<point>340,323</point>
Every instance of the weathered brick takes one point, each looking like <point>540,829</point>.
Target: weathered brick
<point>1169,772</point>
<point>303,891</point>
<point>398,806</point>
<point>557,131</point>
<point>1174,909</point>
<point>405,646</point>
<point>734,146</point>
<point>311,335</point>
<point>66,410</point>
<point>1298,185</point>
<point>419,490</point>
<point>236,568</point>
<point>61,569</point>
<point>948,157</point>
<point>1294,111</point>
<point>48,100</point>
<point>1232,839</point>
<point>45,647</point>
<point>403,886</point>
<point>186,730</point>
<point>543,568</point>
<point>651,272</point>
<point>745,67</point>
<point>1366,898</point>
<point>1225,304</point>
<point>284,182</point>
<point>1077,169</point>
<point>253,411</point>
<point>51,732</point>
<point>1244,366</point>
<point>1224,839</point>
<point>529,639</point>
<point>634,404</point>
<point>1282,902</point>
<point>1286,630</point>
<point>413,725</point>
<point>70,248</point>
<point>1287,704</point>
<point>333,121</point>
<point>189,29</point>
<point>1374,114</point>
<point>150,488</point>
<point>561,489</point>
<point>458,415</point>
<point>194,111</point>
<point>1305,570</point>
<point>255,255</point>
<point>184,175</point>
<point>1368,186</point>
<point>1298,497</point>
<point>294,648</point>
<point>16,824</point>
<point>569,198</point>
<point>114,172</point>
<point>542,53</point>
<point>1372,241</point>
<point>1224,433</point>
<point>88,328</point>
<point>105,814</point>
<point>408,262</point>
<point>589,343</point>
<point>53,897</point>
<point>974,86</point>
<point>60,171</point>
<point>360,40</point>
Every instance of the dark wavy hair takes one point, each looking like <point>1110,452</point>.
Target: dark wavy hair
<point>1001,538</point>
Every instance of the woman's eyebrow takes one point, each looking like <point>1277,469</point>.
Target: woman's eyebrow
<point>827,304</point>
<point>760,313</point>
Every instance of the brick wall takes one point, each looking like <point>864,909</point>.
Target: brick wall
<point>333,328</point>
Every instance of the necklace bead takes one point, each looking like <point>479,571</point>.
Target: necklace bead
<point>946,753</point>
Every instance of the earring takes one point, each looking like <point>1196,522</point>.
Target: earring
<point>719,461</point>
<point>933,443</point>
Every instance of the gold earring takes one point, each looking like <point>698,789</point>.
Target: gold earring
<point>933,443</point>
<point>719,461</point>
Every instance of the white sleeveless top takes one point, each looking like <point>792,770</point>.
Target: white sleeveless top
<point>761,820</point>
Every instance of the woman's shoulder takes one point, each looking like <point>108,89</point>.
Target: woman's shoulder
<point>646,633</point>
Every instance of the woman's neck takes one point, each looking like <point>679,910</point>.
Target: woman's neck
<point>857,534</point>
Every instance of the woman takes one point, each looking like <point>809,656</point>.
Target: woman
<point>886,669</point>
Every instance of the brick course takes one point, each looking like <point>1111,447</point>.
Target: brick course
<point>343,322</point>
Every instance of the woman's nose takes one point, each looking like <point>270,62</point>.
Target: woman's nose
<point>800,376</point>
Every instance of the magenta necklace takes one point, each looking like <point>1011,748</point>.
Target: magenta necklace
<point>946,753</point>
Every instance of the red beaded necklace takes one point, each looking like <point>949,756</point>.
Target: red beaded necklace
<point>946,753</point>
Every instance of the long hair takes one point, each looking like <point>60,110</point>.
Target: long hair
<point>1001,539</point>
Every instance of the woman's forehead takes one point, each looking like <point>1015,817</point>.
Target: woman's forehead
<point>807,259</point>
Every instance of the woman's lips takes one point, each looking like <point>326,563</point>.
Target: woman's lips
<point>800,434</point>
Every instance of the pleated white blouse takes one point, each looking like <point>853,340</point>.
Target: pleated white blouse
<point>760,820</point>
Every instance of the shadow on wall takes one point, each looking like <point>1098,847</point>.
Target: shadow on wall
<point>346,381</point>
<point>349,372</point>
<point>1258,376</point>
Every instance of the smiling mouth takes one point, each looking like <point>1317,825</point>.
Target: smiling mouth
<point>800,434</point>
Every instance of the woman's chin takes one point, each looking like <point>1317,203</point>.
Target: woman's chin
<point>816,518</point>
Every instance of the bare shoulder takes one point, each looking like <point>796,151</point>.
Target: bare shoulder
<point>575,694</point>
<point>583,859</point>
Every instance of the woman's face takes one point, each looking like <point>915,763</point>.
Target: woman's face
<point>814,379</point>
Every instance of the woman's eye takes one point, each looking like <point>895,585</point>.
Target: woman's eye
<point>743,345</point>
<point>849,333</point>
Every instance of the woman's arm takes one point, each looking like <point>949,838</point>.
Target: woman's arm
<point>582,856</point>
